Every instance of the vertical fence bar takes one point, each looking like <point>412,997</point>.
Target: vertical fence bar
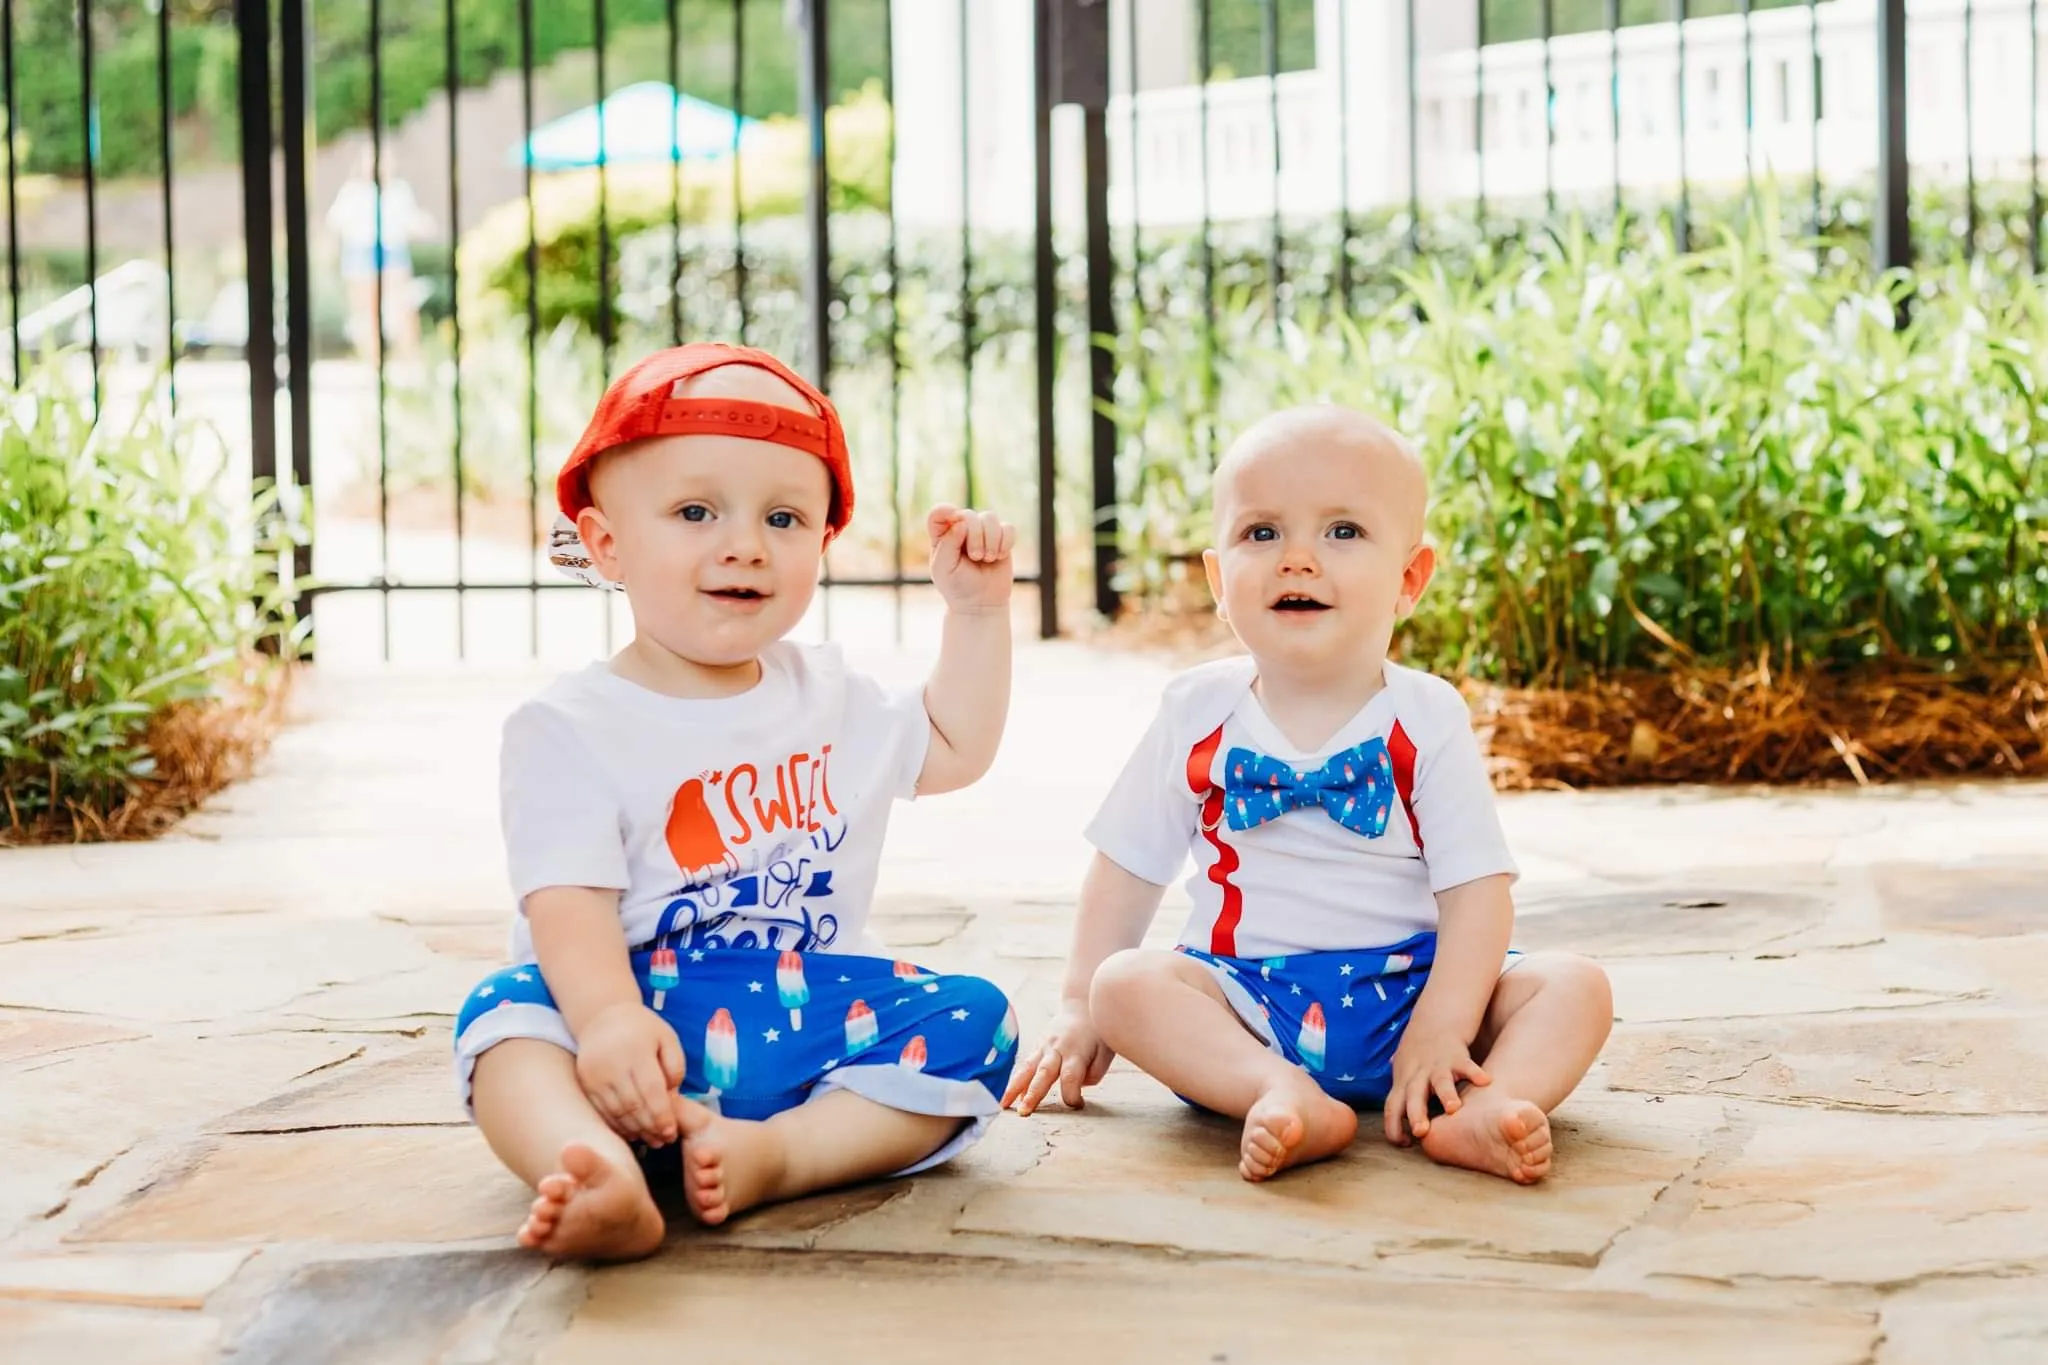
<point>1614,97</point>
<point>1479,111</point>
<point>1046,271</point>
<point>532,328</point>
<point>1549,21</point>
<point>2034,135</point>
<point>604,243</point>
<point>1680,10</point>
<point>295,42</point>
<point>1414,140</point>
<point>890,266</point>
<point>1204,41</point>
<point>1748,100</point>
<point>807,80</point>
<point>604,221</point>
<point>1131,156</point>
<point>1101,359</point>
<point>1817,101</point>
<point>966,262</point>
<point>91,119</point>
<point>1133,161</point>
<point>816,93</point>
<point>1343,152</point>
<point>163,153</point>
<point>675,176</point>
<point>13,203</point>
<point>377,328</point>
<point>1270,39</point>
<point>451,60</point>
<point>252,41</point>
<point>1969,130</point>
<point>739,211</point>
<point>1894,220</point>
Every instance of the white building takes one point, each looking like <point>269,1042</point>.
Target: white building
<point>1479,113</point>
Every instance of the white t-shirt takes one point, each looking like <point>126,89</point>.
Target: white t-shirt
<point>1304,883</point>
<point>361,218</point>
<point>753,821</point>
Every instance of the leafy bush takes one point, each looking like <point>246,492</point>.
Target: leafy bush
<point>1162,282</point>
<point>639,200</point>
<point>127,589</point>
<point>1642,455</point>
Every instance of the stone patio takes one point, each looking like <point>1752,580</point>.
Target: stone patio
<point>1820,1134</point>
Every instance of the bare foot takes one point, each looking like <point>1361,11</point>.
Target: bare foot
<point>1290,1125</point>
<point>1499,1135</point>
<point>592,1211</point>
<point>729,1165</point>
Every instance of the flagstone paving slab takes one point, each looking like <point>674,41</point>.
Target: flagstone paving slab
<point>185,971</point>
<point>172,1279</point>
<point>736,1307</point>
<point>426,1308</point>
<point>1909,1065</point>
<point>1866,1199</point>
<point>68,1334</point>
<point>228,1126</point>
<point>356,1185</point>
<point>1143,1170</point>
<point>2002,1322</point>
<point>68,1114</point>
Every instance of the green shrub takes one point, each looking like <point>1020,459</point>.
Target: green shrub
<point>127,587</point>
<point>1168,273</point>
<point>638,200</point>
<point>1642,455</point>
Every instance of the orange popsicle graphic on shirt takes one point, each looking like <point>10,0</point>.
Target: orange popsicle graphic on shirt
<point>693,837</point>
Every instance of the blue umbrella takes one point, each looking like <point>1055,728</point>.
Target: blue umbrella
<point>650,121</point>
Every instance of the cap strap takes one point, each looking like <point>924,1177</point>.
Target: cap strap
<point>742,417</point>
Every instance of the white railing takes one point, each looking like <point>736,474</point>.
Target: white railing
<point>1165,185</point>
<point>1768,126</point>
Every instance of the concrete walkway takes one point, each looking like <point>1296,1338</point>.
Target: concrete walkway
<point>1820,1133</point>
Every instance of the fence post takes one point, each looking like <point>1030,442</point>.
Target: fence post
<point>816,85</point>
<point>295,36</point>
<point>252,32</point>
<point>1894,226</point>
<point>1079,74</point>
<point>1046,269</point>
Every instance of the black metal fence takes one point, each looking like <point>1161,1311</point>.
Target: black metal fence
<point>412,382</point>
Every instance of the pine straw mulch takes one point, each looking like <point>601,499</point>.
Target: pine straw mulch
<point>199,747</point>
<point>1892,722</point>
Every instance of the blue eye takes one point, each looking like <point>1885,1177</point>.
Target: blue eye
<point>782,521</point>
<point>1263,533</point>
<point>1344,530</point>
<point>696,511</point>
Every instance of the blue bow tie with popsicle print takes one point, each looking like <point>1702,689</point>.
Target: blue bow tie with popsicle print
<point>1356,787</point>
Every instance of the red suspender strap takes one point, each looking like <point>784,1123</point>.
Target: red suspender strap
<point>1202,762</point>
<point>1402,750</point>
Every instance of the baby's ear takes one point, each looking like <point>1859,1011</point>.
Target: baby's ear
<point>1414,578</point>
<point>1212,567</point>
<point>595,531</point>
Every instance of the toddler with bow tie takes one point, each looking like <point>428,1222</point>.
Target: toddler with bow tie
<point>1349,941</point>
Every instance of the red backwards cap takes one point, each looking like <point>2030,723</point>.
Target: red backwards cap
<point>642,403</point>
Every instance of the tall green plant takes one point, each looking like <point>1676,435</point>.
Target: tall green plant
<point>127,585</point>
<point>1648,454</point>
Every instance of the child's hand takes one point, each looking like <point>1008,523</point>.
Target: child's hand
<point>630,1065</point>
<point>1426,1063</point>
<point>1072,1056</point>
<point>971,557</point>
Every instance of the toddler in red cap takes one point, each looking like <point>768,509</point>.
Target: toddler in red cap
<point>693,830</point>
